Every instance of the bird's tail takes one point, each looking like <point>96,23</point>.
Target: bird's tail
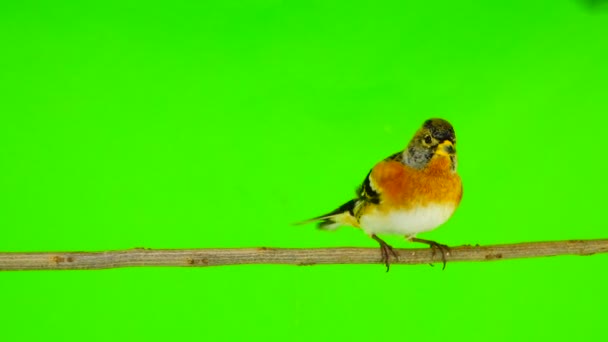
<point>332,220</point>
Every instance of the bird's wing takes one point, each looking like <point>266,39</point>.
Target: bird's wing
<point>368,191</point>
<point>346,214</point>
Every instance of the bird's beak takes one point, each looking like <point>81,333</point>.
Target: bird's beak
<point>446,148</point>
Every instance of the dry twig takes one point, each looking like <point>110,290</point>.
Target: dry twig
<point>140,257</point>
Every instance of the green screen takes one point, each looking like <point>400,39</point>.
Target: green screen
<point>193,124</point>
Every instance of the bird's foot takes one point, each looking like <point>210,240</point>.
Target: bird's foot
<point>386,250</point>
<point>445,250</point>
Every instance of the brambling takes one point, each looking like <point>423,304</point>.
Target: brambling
<point>412,191</point>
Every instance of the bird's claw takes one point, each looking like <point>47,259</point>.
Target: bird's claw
<point>386,251</point>
<point>444,249</point>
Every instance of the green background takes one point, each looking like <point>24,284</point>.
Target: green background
<point>219,123</point>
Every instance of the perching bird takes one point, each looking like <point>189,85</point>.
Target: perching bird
<point>410,192</point>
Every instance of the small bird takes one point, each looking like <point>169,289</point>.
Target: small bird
<point>412,191</point>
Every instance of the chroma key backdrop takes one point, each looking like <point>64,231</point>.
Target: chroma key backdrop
<point>200,124</point>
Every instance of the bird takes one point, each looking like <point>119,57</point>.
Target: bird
<point>412,191</point>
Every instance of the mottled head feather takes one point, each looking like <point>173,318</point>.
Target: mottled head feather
<point>440,129</point>
<point>423,145</point>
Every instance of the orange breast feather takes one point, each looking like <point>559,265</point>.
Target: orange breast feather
<point>406,187</point>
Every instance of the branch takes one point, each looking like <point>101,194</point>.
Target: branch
<point>141,257</point>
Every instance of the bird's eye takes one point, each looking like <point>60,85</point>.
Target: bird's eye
<point>428,139</point>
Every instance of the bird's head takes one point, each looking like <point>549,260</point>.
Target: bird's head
<point>435,139</point>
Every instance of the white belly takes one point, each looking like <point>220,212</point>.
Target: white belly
<point>406,222</point>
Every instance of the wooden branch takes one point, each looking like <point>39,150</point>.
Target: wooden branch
<point>141,257</point>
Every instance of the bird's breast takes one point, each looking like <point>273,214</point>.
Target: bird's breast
<point>412,200</point>
<point>407,188</point>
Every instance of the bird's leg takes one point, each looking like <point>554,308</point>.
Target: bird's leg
<point>445,250</point>
<point>387,251</point>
